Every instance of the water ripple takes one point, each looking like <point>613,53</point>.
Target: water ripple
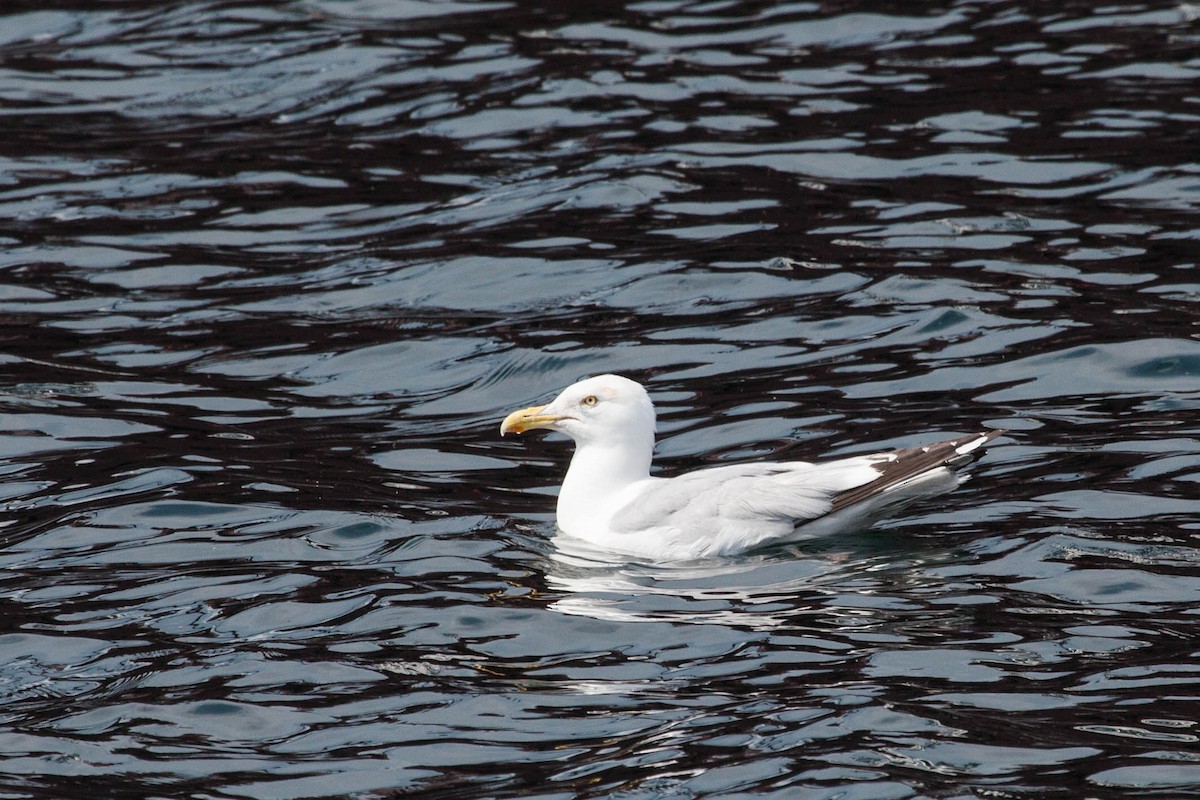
<point>272,275</point>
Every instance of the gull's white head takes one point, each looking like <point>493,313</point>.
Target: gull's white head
<point>606,409</point>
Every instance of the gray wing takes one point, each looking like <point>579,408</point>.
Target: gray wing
<point>735,507</point>
<point>729,509</point>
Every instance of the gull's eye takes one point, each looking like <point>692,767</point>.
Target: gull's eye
<point>590,400</point>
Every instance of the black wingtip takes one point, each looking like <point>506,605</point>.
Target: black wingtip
<point>907,463</point>
<point>970,451</point>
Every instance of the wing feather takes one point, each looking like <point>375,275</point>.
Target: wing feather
<point>724,509</point>
<point>733,508</point>
<point>900,467</point>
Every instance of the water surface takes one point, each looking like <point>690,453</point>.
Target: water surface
<point>271,274</point>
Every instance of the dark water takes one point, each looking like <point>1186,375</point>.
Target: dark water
<point>273,273</point>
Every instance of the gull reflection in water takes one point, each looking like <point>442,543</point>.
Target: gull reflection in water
<point>760,591</point>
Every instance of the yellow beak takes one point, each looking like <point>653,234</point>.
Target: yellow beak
<point>527,419</point>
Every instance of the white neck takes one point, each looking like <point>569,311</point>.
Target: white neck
<point>597,475</point>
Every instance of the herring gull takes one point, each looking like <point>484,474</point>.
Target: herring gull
<point>609,499</point>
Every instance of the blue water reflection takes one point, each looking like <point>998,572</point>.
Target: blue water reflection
<point>272,274</point>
